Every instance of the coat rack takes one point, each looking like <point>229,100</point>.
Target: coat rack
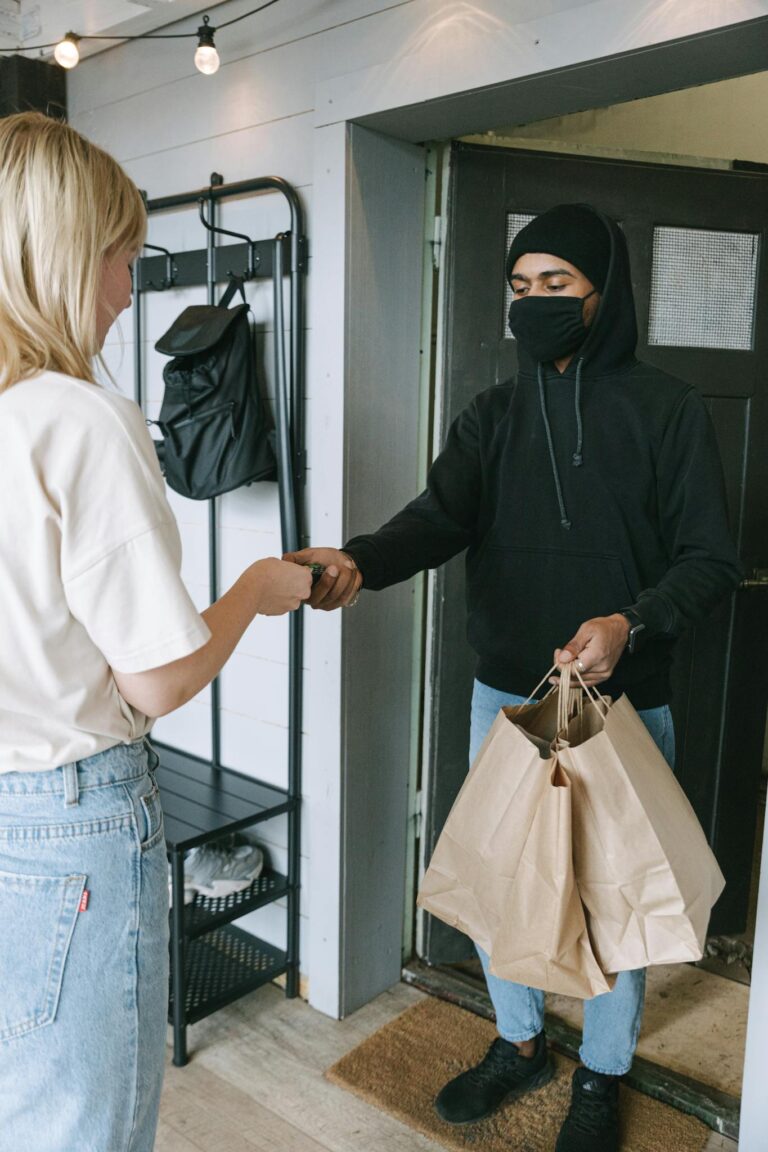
<point>213,963</point>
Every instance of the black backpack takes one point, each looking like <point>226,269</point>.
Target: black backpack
<point>216,432</point>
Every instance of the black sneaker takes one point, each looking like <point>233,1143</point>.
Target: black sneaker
<point>503,1074</point>
<point>592,1123</point>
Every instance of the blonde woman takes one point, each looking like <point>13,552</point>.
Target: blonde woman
<point>97,635</point>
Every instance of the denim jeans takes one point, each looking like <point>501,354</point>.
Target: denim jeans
<point>611,1021</point>
<point>83,955</point>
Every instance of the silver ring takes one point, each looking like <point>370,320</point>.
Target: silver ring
<point>353,601</point>
<point>580,665</point>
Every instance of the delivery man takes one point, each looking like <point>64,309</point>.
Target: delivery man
<point>588,495</point>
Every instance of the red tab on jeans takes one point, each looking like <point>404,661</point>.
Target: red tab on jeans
<point>84,900</point>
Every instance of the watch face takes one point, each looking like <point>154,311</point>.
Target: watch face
<point>635,633</point>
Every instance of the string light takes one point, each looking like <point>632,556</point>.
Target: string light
<point>206,57</point>
<point>66,51</point>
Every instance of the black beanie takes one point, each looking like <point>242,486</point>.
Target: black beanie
<point>575,233</point>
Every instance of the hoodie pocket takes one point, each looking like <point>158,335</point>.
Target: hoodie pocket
<point>525,602</point>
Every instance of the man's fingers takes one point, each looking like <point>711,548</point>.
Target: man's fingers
<point>344,591</point>
<point>570,654</point>
<point>332,591</point>
<point>324,587</point>
<point>591,679</point>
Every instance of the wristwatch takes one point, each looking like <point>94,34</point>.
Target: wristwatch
<point>636,629</point>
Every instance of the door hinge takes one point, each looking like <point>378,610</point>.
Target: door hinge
<point>417,814</point>
<point>436,243</point>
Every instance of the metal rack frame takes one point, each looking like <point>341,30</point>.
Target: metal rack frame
<point>211,962</point>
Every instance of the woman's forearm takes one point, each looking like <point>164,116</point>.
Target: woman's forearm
<point>162,690</point>
<point>271,587</point>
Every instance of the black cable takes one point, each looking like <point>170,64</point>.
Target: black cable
<point>143,36</point>
<point>244,16</point>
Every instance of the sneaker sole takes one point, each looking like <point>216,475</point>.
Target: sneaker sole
<point>540,1080</point>
<point>221,888</point>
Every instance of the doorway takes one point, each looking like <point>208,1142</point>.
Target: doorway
<point>701,294</point>
<point>708,222</point>
<point>597,85</point>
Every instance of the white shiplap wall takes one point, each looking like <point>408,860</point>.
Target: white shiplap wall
<point>172,127</point>
<point>289,78</point>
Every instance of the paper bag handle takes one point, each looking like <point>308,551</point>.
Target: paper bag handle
<point>571,668</point>
<point>564,689</point>
<point>565,698</point>
<point>541,682</point>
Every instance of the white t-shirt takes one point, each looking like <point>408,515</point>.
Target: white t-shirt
<point>90,562</point>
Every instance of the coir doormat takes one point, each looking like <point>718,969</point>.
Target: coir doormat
<point>401,1068</point>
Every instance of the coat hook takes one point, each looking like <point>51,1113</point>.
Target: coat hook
<point>170,268</point>
<point>253,257</point>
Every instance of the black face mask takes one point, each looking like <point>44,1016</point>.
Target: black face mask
<point>549,327</point>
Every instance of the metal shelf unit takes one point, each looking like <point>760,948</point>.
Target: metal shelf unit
<point>212,962</point>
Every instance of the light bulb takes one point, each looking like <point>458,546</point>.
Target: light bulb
<point>207,59</point>
<point>66,51</point>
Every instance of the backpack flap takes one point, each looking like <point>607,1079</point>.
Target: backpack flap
<point>198,329</point>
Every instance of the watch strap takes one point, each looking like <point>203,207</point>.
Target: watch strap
<point>636,627</point>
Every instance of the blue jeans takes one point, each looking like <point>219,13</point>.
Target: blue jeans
<point>611,1021</point>
<point>83,955</point>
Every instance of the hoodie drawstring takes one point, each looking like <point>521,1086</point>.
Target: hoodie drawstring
<point>578,458</point>
<point>564,521</point>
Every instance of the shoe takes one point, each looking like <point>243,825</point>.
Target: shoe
<point>503,1074</point>
<point>592,1123</point>
<point>223,867</point>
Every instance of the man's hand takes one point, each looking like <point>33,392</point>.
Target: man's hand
<point>597,646</point>
<point>339,584</point>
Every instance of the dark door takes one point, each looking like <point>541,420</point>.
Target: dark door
<point>696,240</point>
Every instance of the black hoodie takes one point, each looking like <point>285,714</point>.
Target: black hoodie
<point>645,506</point>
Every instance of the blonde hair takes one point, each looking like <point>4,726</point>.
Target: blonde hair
<point>65,205</point>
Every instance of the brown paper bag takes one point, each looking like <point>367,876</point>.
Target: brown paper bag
<point>502,870</point>
<point>647,876</point>
<point>543,939</point>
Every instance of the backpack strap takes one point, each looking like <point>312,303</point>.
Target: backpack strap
<point>235,285</point>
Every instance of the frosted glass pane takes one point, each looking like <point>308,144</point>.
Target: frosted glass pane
<point>515,221</point>
<point>703,287</point>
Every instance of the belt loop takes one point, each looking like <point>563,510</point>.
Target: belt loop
<point>152,756</point>
<point>71,789</point>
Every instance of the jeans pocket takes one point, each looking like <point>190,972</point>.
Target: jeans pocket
<point>38,914</point>
<point>152,819</point>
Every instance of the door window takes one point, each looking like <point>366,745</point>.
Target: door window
<point>703,288</point>
<point>515,222</point>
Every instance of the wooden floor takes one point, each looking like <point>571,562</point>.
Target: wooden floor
<point>255,1082</point>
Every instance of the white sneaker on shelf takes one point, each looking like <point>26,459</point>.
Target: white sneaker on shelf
<point>222,867</point>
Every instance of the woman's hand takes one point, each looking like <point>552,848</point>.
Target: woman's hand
<point>279,586</point>
<point>341,582</point>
